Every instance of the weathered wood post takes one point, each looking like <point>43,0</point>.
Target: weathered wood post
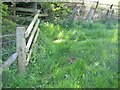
<point>96,6</point>
<point>109,16</point>
<point>14,9</point>
<point>108,11</point>
<point>90,15</point>
<point>34,6</point>
<point>21,50</point>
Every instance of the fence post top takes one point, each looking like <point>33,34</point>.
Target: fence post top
<point>38,11</point>
<point>20,27</point>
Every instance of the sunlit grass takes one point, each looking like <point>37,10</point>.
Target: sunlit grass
<point>71,58</point>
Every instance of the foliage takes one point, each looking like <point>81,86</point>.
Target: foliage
<point>8,27</point>
<point>66,55</point>
<point>57,11</point>
<point>5,11</point>
<point>70,58</point>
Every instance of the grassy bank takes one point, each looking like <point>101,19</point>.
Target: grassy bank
<point>70,58</point>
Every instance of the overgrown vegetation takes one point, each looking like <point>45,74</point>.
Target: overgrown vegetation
<point>70,57</point>
<point>9,47</point>
<point>4,10</point>
<point>67,54</point>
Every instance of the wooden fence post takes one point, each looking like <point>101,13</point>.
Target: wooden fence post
<point>108,11</point>
<point>90,16</point>
<point>14,10</point>
<point>34,6</point>
<point>96,7</point>
<point>21,44</point>
<point>110,18</point>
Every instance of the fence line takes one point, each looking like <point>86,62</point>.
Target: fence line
<point>7,35</point>
<point>32,36</point>
<point>9,61</point>
<point>20,44</point>
<point>25,41</point>
<point>25,20</point>
<point>96,2</point>
<point>29,55</point>
<point>29,35</point>
<point>7,42</point>
<point>31,26</point>
<point>23,9</point>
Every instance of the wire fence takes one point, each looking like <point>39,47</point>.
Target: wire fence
<point>9,35</point>
<point>8,44</point>
<point>8,48</point>
<point>27,17</point>
<point>7,39</point>
<point>10,39</point>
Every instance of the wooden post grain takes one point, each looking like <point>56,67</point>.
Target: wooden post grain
<point>21,44</point>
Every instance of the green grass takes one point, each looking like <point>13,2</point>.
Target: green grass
<point>8,27</point>
<point>70,58</point>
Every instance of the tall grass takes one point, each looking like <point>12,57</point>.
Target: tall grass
<point>70,58</point>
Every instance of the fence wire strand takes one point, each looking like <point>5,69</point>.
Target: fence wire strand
<point>7,42</point>
<point>9,35</point>
<point>26,20</point>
